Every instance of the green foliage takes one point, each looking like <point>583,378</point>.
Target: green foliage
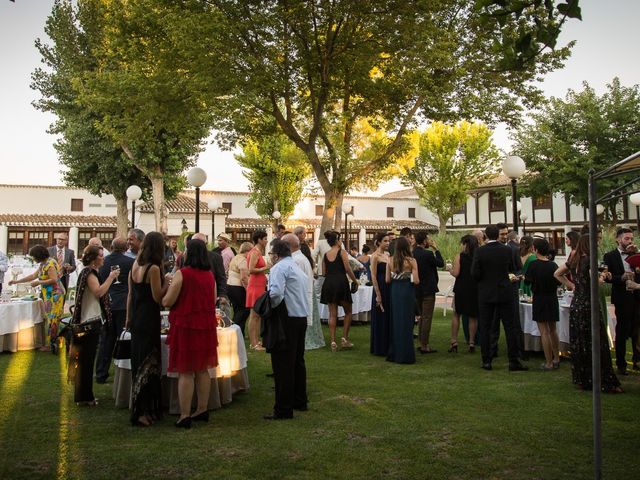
<point>449,243</point>
<point>452,160</point>
<point>569,137</point>
<point>277,173</point>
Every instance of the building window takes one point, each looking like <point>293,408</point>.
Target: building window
<point>389,212</point>
<point>227,206</point>
<point>243,237</point>
<point>319,210</point>
<point>38,238</point>
<point>76,205</point>
<point>83,240</point>
<point>412,212</point>
<point>462,210</point>
<point>93,205</point>
<point>15,246</point>
<point>542,202</point>
<point>497,202</point>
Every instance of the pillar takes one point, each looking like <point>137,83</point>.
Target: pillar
<point>362,238</point>
<point>73,241</point>
<point>4,238</point>
<point>316,237</point>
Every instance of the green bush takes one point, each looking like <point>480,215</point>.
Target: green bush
<point>449,243</point>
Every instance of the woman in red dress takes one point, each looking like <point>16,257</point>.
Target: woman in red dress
<point>192,339</point>
<point>257,285</point>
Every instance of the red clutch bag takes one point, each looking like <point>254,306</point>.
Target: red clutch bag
<point>633,260</point>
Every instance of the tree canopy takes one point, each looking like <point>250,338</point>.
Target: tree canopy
<point>572,135</point>
<point>318,68</point>
<point>277,173</point>
<point>452,160</point>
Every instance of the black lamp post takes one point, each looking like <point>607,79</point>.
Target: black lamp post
<point>213,206</point>
<point>134,193</point>
<point>514,167</point>
<point>348,210</point>
<point>196,178</point>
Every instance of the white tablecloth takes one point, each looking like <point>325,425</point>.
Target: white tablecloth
<point>529,327</point>
<point>361,303</point>
<point>232,354</point>
<point>16,317</point>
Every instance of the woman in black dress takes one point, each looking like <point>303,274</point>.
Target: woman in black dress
<point>380,302</point>
<point>146,289</point>
<point>580,323</point>
<point>335,289</point>
<point>544,287</point>
<point>465,293</point>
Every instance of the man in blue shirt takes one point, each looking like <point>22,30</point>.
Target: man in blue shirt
<point>287,283</point>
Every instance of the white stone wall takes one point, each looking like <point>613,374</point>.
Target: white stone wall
<point>29,200</point>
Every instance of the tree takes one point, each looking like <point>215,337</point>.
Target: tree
<point>277,172</point>
<point>92,160</point>
<point>452,160</point>
<point>569,137</point>
<point>319,67</point>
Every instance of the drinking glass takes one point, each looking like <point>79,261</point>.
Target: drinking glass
<point>116,268</point>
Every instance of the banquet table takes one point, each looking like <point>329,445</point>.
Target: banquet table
<point>21,325</point>
<point>361,307</point>
<point>228,378</point>
<point>532,341</point>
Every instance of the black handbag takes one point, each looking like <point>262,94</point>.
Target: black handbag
<point>81,329</point>
<point>122,348</point>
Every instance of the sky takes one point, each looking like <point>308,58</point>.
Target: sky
<point>606,47</point>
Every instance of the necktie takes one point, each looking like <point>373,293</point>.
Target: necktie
<point>60,256</point>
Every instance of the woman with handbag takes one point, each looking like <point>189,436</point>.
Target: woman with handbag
<point>192,337</point>
<point>91,309</point>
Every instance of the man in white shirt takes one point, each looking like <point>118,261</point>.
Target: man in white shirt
<point>302,262</point>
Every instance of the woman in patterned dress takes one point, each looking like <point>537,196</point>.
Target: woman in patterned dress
<point>47,277</point>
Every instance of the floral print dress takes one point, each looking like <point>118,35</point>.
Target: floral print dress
<point>53,298</point>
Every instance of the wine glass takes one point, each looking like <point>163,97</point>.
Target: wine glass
<point>116,268</point>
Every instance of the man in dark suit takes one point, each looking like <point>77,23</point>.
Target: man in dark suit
<point>626,303</point>
<point>118,293</point>
<point>217,267</point>
<point>514,244</point>
<point>65,256</point>
<point>428,259</point>
<point>490,268</point>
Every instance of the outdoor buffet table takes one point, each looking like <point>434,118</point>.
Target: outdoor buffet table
<point>21,325</point>
<point>532,341</point>
<point>361,307</point>
<point>228,378</point>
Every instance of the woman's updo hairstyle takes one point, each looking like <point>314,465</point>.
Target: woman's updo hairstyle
<point>332,237</point>
<point>90,253</point>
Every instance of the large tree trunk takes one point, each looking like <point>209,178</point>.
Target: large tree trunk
<point>331,205</point>
<point>443,225</point>
<point>159,207</point>
<point>122,216</point>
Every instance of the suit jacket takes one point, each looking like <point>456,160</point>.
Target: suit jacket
<point>428,263</point>
<point>117,291</point>
<point>491,266</point>
<point>517,261</point>
<point>217,267</point>
<point>619,294</point>
<point>69,257</point>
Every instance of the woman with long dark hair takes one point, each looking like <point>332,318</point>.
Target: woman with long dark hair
<point>580,323</point>
<point>465,291</point>
<point>92,308</point>
<point>402,274</point>
<point>526,257</point>
<point>192,337</point>
<point>380,309</point>
<point>146,289</point>
<point>335,289</point>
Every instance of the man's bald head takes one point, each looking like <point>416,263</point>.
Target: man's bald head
<point>200,236</point>
<point>95,242</point>
<point>292,240</point>
<point>119,245</point>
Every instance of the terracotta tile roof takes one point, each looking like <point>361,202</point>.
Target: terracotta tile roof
<point>19,220</point>
<point>311,223</point>
<point>181,204</point>
<point>409,193</point>
<point>496,181</point>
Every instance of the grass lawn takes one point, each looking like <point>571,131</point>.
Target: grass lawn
<point>442,418</point>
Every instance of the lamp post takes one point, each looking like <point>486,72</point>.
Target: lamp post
<point>348,210</point>
<point>134,192</point>
<point>276,216</point>
<point>635,199</point>
<point>599,209</point>
<point>524,218</point>
<point>213,206</point>
<point>514,167</point>
<point>196,178</point>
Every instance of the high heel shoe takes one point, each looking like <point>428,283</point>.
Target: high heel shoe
<point>334,346</point>
<point>184,423</point>
<point>453,348</point>
<point>472,348</point>
<point>344,343</point>
<point>257,347</point>
<point>201,417</point>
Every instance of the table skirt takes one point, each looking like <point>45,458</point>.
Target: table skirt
<point>361,304</point>
<point>26,339</point>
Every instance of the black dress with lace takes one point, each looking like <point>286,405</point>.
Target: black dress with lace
<point>580,335</point>
<point>146,360</point>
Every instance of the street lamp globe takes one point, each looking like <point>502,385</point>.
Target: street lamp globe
<point>276,214</point>
<point>347,208</point>
<point>134,192</point>
<point>513,166</point>
<point>599,209</point>
<point>196,177</point>
<point>213,204</point>
<point>524,217</point>
<point>635,198</point>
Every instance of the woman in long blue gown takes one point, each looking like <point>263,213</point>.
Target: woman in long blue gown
<point>402,274</point>
<point>380,301</point>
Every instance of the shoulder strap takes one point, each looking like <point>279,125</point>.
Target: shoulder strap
<point>144,275</point>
